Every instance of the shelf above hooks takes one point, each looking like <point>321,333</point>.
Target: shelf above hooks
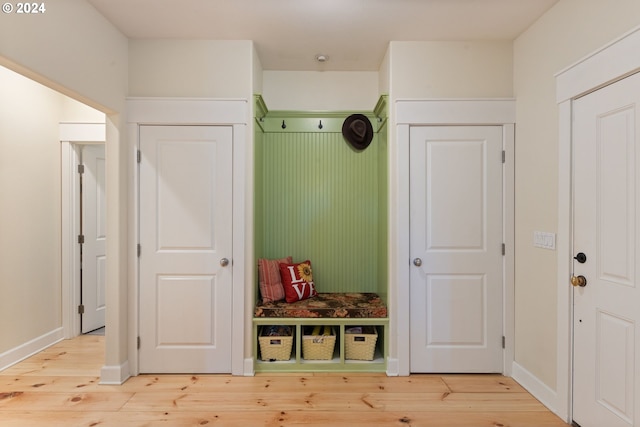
<point>313,121</point>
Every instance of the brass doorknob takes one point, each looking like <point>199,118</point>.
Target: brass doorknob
<point>579,281</point>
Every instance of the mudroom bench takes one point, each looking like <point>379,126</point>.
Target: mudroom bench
<point>331,332</point>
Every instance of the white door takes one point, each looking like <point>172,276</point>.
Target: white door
<point>185,261</point>
<point>606,152</point>
<point>93,224</point>
<point>456,249</point>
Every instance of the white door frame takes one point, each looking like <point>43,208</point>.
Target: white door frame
<point>451,112</point>
<point>72,135</point>
<point>192,111</point>
<point>611,63</point>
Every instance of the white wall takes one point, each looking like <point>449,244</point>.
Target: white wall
<point>70,47</point>
<point>320,90</point>
<point>77,112</point>
<point>75,50</point>
<point>569,31</point>
<point>30,216</point>
<point>384,76</point>
<point>30,220</point>
<point>465,69</point>
<point>257,73</point>
<point>191,68</point>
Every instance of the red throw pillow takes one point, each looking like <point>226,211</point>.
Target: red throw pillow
<point>269,276</point>
<point>297,280</point>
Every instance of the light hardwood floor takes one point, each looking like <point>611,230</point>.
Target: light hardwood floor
<point>59,387</point>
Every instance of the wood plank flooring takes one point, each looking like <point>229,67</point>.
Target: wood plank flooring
<point>59,387</point>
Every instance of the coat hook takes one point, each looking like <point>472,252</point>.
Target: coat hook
<point>320,125</point>
<point>284,126</point>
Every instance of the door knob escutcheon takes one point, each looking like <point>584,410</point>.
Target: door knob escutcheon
<point>580,257</point>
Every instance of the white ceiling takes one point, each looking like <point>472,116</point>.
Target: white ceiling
<point>288,34</point>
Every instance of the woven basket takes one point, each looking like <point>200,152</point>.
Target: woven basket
<point>361,346</point>
<point>275,347</point>
<point>318,347</point>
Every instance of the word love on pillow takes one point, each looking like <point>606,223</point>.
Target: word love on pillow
<point>297,280</point>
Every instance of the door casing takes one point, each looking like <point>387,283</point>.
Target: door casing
<point>605,66</point>
<point>71,136</point>
<point>454,112</point>
<point>184,112</point>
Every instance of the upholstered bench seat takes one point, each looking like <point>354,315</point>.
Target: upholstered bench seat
<point>332,305</point>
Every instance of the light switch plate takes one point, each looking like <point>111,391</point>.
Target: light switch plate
<point>542,239</point>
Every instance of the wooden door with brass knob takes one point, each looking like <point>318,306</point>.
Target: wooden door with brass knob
<point>606,147</point>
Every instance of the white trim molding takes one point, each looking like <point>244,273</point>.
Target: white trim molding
<point>607,65</point>
<point>195,111</point>
<point>70,230</point>
<point>36,345</point>
<point>71,135</point>
<point>249,367</point>
<point>435,112</point>
<point>392,367</point>
<point>537,388</point>
<point>187,111</point>
<point>455,111</point>
<point>114,375</point>
<point>83,132</point>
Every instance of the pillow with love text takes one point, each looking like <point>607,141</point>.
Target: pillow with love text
<point>297,281</point>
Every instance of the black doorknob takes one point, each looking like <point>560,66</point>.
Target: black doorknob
<point>580,257</point>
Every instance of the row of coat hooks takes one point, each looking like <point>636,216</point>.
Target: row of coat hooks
<point>284,125</point>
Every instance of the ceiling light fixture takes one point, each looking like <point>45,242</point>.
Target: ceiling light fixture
<point>322,58</point>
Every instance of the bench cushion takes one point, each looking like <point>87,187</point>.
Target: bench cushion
<point>327,305</point>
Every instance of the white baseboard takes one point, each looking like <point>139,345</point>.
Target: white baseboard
<point>115,374</point>
<point>393,365</point>
<point>248,367</point>
<point>537,388</point>
<point>36,345</point>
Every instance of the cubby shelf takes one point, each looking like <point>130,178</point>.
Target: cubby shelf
<point>338,363</point>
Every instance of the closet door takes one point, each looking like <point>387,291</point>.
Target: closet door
<point>186,243</point>
<point>94,255</point>
<point>456,249</point>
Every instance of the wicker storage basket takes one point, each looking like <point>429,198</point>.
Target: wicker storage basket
<point>276,342</point>
<point>320,346</point>
<point>360,346</point>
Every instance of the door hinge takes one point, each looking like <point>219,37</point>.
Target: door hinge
<point>139,156</point>
<point>504,249</point>
<point>81,238</point>
<point>504,342</point>
<point>504,156</point>
<point>139,249</point>
<point>81,309</point>
<point>80,169</point>
<point>138,343</point>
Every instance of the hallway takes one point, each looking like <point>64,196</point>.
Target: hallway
<point>59,387</point>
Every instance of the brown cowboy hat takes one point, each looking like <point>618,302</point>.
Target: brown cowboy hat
<point>358,131</point>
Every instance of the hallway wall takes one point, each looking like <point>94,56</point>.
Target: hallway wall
<point>30,218</point>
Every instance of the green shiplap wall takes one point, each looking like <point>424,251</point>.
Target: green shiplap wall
<point>318,199</point>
